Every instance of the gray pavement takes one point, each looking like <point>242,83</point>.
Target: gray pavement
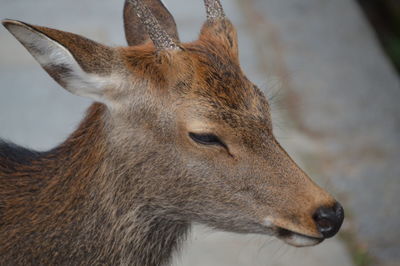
<point>337,117</point>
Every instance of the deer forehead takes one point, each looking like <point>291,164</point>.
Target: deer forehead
<point>205,83</point>
<point>224,100</point>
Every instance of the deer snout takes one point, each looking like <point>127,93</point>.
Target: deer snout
<point>329,219</point>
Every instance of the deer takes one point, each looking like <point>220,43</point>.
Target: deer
<point>176,135</point>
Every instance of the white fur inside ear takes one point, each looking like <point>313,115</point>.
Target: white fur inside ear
<point>51,54</point>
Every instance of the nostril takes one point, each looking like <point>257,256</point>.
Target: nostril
<point>329,219</point>
<point>324,224</point>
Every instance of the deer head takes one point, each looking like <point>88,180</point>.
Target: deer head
<point>207,130</point>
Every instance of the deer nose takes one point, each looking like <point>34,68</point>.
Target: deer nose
<point>329,219</point>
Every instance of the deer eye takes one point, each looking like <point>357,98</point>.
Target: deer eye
<point>207,139</point>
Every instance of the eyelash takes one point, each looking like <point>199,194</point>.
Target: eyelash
<point>207,139</point>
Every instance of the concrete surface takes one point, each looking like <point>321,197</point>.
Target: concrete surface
<point>336,88</point>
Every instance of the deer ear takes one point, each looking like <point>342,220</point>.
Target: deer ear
<point>135,31</point>
<point>81,66</point>
<point>221,33</point>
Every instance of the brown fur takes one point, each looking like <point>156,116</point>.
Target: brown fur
<point>126,185</point>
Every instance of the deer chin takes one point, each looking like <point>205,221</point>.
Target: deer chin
<point>290,237</point>
<point>296,239</point>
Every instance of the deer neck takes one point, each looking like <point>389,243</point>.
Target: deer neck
<point>92,204</point>
<point>133,228</point>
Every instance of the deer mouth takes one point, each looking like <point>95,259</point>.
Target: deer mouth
<point>296,239</point>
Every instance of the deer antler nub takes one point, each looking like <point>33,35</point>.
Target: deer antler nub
<point>214,10</point>
<point>157,34</point>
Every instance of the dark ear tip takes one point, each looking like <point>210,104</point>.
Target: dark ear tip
<point>6,22</point>
<point>9,22</point>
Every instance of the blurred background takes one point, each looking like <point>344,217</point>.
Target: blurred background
<point>331,71</point>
